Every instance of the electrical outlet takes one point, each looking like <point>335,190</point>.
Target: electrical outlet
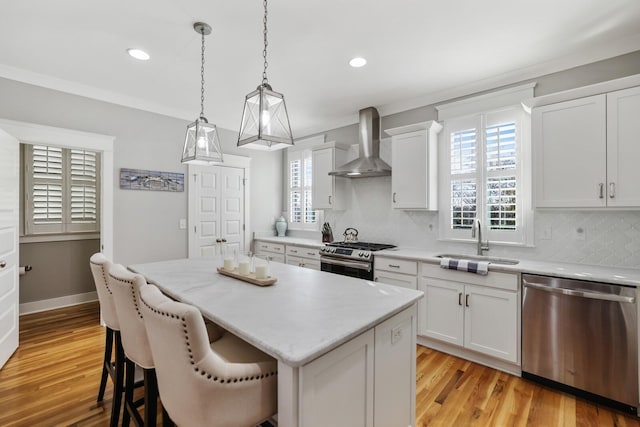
<point>580,233</point>
<point>396,334</point>
<point>183,224</point>
<point>545,233</point>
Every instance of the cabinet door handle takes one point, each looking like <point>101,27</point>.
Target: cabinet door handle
<point>394,266</point>
<point>459,298</point>
<point>292,251</point>
<point>329,199</point>
<point>612,190</point>
<point>466,300</point>
<point>311,253</point>
<point>3,264</point>
<point>601,185</point>
<point>394,197</point>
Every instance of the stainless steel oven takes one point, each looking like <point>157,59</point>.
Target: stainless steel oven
<point>354,259</point>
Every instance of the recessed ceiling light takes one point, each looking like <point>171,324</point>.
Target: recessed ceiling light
<point>138,54</point>
<point>358,62</point>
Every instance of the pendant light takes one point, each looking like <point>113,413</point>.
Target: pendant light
<point>202,142</point>
<point>265,122</point>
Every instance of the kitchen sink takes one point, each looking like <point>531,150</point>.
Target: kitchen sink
<point>491,260</point>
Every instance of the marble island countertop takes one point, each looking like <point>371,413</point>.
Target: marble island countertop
<point>305,314</point>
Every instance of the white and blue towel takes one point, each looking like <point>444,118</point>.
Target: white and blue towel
<point>477,267</point>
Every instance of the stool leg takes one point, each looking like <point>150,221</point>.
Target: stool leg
<point>166,419</point>
<point>118,383</point>
<point>150,397</point>
<point>108,347</point>
<point>128,392</point>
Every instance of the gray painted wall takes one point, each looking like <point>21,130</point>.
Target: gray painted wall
<point>145,223</point>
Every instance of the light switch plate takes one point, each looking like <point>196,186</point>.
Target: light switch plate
<point>396,334</point>
<point>580,233</point>
<point>546,233</point>
<point>183,224</point>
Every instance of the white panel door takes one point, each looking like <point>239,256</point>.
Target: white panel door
<point>444,310</point>
<point>623,150</point>
<point>232,208</point>
<point>9,178</point>
<point>491,322</point>
<point>569,147</point>
<point>216,210</point>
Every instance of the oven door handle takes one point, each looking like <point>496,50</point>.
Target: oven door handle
<point>352,264</point>
<point>579,293</point>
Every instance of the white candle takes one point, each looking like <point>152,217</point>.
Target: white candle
<point>243,268</point>
<point>229,264</point>
<point>261,271</point>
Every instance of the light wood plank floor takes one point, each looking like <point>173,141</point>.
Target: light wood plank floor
<point>52,380</point>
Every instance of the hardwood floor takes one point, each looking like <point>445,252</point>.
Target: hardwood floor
<point>52,380</point>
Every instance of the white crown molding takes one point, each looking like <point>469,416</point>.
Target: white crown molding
<point>599,53</point>
<point>67,86</point>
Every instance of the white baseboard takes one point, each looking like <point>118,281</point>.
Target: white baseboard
<point>53,303</point>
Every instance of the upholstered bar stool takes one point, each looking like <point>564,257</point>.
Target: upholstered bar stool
<point>224,383</point>
<point>125,286</point>
<point>100,267</point>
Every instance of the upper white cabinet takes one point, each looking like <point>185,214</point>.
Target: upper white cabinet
<point>586,151</point>
<point>329,192</point>
<point>414,156</point>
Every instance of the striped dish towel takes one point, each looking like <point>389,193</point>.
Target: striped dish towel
<point>478,267</point>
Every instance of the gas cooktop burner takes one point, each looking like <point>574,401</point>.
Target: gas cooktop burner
<point>362,246</point>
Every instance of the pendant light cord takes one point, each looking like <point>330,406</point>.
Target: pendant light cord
<point>264,51</point>
<point>202,78</point>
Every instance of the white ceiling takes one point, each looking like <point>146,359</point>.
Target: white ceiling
<point>418,51</point>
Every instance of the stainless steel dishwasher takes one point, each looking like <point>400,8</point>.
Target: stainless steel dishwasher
<point>581,337</point>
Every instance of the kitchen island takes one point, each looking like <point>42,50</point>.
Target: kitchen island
<point>345,347</point>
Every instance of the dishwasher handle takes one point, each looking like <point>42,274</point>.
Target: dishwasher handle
<point>577,293</point>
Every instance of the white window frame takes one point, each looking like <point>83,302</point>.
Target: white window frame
<point>301,154</point>
<point>472,112</point>
<point>66,226</point>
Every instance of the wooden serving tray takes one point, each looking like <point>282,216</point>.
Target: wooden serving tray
<point>251,278</point>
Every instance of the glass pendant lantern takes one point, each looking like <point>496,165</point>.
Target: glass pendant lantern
<point>202,142</point>
<point>265,121</point>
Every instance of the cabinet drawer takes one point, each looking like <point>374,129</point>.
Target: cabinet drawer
<point>301,251</point>
<point>272,257</point>
<point>404,280</point>
<point>269,247</point>
<point>303,262</point>
<point>396,265</point>
<point>494,279</point>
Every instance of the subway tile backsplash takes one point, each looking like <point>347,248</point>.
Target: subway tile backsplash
<point>609,238</point>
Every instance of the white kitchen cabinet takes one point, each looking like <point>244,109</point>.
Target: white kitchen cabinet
<point>585,151</point>
<point>476,317</point>
<point>303,256</point>
<point>272,251</point>
<point>395,271</point>
<point>377,370</point>
<point>328,192</point>
<point>623,149</point>
<point>414,157</point>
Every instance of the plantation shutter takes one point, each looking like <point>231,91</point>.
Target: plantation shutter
<point>61,188</point>
<point>295,189</point>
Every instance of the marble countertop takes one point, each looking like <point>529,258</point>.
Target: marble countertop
<point>305,314</point>
<point>616,275</point>
<point>292,241</point>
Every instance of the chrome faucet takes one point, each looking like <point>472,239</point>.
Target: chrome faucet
<point>481,247</point>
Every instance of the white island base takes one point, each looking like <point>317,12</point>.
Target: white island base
<point>367,381</point>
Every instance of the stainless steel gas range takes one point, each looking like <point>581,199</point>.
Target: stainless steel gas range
<point>353,259</point>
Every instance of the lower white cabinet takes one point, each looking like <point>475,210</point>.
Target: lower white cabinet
<point>368,381</point>
<point>271,251</point>
<point>303,256</point>
<point>475,317</point>
<point>398,272</point>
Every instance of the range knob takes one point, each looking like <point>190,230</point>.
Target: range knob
<point>367,255</point>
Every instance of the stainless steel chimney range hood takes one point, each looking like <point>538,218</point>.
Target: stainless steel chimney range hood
<point>368,163</point>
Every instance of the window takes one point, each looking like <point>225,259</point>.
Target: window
<point>484,176</point>
<point>300,171</point>
<point>61,189</point>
